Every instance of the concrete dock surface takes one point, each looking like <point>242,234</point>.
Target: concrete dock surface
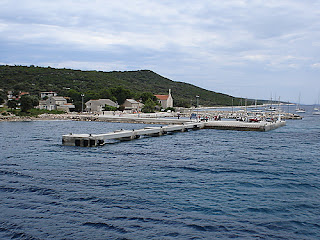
<point>91,140</point>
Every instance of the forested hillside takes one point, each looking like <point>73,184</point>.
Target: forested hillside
<point>97,84</point>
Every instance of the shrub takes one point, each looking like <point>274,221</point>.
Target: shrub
<point>109,108</point>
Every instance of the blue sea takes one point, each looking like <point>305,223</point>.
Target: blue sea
<point>204,184</point>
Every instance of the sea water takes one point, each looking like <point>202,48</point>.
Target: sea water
<point>204,184</point>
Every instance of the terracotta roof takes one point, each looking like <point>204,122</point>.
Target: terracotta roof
<point>162,97</point>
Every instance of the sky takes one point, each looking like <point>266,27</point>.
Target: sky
<point>245,48</point>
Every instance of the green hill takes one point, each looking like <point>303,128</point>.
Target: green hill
<point>95,83</point>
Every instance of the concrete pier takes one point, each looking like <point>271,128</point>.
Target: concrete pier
<point>91,140</point>
<point>245,126</point>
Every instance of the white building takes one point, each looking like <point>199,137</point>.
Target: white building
<point>165,100</point>
<point>56,103</point>
<point>133,105</point>
<point>99,104</point>
<point>47,94</point>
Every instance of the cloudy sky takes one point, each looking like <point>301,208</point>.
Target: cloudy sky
<point>245,48</point>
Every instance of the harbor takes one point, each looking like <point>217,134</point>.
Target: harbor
<point>159,120</point>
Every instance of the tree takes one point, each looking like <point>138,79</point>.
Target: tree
<point>182,103</point>
<point>28,102</point>
<point>35,101</point>
<point>74,95</point>
<point>149,106</point>
<point>148,95</point>
<point>3,97</point>
<point>12,104</point>
<point>121,108</point>
<point>109,108</point>
<point>121,94</point>
<point>105,94</point>
<point>91,95</point>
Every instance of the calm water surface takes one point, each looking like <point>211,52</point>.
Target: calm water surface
<point>204,184</point>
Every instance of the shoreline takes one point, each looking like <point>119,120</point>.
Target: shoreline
<point>134,117</point>
<point>29,118</point>
<point>85,117</point>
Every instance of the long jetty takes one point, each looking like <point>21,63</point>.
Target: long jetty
<point>91,140</point>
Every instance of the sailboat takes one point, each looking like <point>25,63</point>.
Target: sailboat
<point>270,108</point>
<point>299,109</point>
<point>256,109</point>
<point>316,110</point>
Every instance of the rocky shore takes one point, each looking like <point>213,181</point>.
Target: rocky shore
<point>81,117</point>
<point>13,118</point>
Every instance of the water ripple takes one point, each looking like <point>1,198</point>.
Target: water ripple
<point>105,226</point>
<point>204,184</point>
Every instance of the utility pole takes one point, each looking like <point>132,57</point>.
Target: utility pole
<point>197,100</point>
<point>82,95</point>
<point>197,96</point>
<point>232,106</point>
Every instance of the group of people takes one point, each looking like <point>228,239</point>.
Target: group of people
<point>204,118</point>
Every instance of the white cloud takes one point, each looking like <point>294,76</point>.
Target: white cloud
<point>315,65</point>
<point>257,57</point>
<point>213,39</point>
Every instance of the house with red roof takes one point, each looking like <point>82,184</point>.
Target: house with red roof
<point>16,96</point>
<point>165,100</point>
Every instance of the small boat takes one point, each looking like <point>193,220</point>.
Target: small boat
<point>300,110</point>
<point>316,109</point>
<point>316,112</point>
<point>271,109</point>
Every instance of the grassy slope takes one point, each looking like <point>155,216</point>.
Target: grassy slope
<point>37,79</point>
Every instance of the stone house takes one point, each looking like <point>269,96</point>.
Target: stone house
<point>99,104</point>
<point>56,103</point>
<point>133,105</point>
